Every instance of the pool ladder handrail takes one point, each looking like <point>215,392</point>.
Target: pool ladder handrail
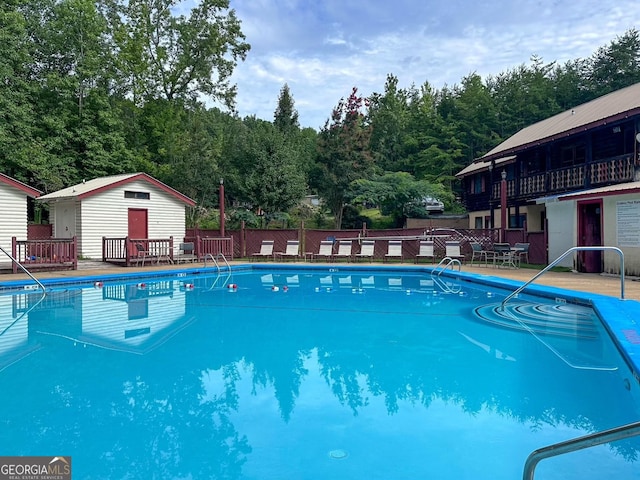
<point>24,269</point>
<point>215,260</point>
<point>594,439</point>
<point>441,267</point>
<point>560,258</point>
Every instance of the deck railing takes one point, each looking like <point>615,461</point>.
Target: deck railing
<point>214,246</point>
<point>51,253</point>
<point>131,250</point>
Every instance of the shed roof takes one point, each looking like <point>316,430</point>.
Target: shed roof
<point>618,189</point>
<point>23,187</point>
<point>609,108</point>
<point>102,184</point>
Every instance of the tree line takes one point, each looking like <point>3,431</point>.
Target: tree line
<point>90,88</point>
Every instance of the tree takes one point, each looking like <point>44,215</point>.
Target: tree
<point>272,179</point>
<point>398,194</point>
<point>388,116</point>
<point>343,154</point>
<point>285,117</point>
<point>161,55</point>
<point>616,65</point>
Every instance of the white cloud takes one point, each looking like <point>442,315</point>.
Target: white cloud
<point>323,49</point>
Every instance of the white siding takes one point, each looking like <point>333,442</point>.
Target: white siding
<point>13,217</point>
<point>562,221</point>
<point>610,237</point>
<point>106,215</point>
<point>107,321</point>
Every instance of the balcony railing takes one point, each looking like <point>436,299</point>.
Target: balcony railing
<point>613,170</point>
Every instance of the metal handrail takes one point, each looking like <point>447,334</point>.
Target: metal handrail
<point>444,263</point>
<point>24,269</point>
<point>557,260</point>
<point>215,260</point>
<point>579,443</point>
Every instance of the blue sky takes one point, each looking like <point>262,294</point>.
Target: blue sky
<point>324,48</point>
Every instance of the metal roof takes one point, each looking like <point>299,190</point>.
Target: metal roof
<point>97,185</point>
<point>609,108</point>
<point>618,189</point>
<point>481,165</point>
<point>30,191</point>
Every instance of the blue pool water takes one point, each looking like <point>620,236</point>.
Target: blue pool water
<point>310,374</point>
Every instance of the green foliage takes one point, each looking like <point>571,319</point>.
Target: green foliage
<point>398,194</point>
<point>98,88</point>
<point>344,154</point>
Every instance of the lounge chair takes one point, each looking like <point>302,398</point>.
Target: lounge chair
<point>394,250</point>
<point>426,251</point>
<point>292,251</point>
<point>266,250</point>
<point>367,248</point>
<point>452,250</point>
<point>325,251</point>
<point>344,250</point>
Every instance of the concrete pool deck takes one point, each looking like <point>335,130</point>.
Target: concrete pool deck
<point>601,284</point>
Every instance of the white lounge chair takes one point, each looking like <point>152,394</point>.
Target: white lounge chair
<point>266,250</point>
<point>452,250</point>
<point>325,251</point>
<point>394,250</point>
<point>367,248</point>
<point>292,251</point>
<point>344,250</point>
<point>426,251</point>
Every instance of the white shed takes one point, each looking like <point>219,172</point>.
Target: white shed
<point>133,205</point>
<point>13,214</point>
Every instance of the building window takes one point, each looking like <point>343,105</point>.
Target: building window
<point>138,195</point>
<point>517,221</point>
<point>478,222</point>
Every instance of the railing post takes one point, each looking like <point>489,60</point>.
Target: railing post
<point>75,252</point>
<point>14,248</point>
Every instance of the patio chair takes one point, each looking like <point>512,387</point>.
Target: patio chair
<point>521,252</point>
<point>502,255</point>
<point>185,253</point>
<point>142,253</point>
<point>367,248</point>
<point>344,250</point>
<point>266,250</point>
<point>426,251</point>
<point>292,250</point>
<point>325,251</point>
<point>452,250</point>
<point>479,253</point>
<point>394,250</point>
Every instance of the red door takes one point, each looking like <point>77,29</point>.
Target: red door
<point>138,226</point>
<point>589,235</point>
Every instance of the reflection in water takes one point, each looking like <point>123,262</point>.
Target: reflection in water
<point>169,382</point>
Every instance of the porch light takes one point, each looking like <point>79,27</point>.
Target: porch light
<point>504,174</point>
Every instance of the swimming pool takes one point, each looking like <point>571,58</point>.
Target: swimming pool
<point>317,372</point>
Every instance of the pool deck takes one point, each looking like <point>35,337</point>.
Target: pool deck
<point>600,284</point>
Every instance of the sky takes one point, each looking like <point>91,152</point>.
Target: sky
<point>323,48</point>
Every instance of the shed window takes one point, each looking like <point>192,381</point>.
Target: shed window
<point>138,195</point>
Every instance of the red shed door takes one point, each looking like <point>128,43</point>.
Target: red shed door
<point>138,224</point>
